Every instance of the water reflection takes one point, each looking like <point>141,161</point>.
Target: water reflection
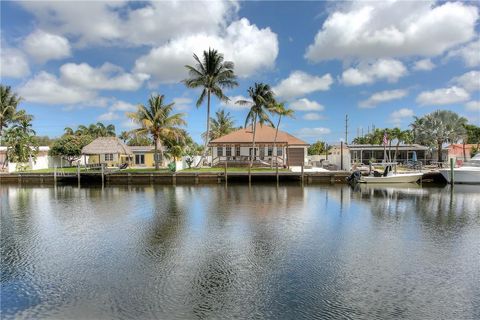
<point>238,251</point>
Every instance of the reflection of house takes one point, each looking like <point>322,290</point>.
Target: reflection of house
<point>363,153</point>
<point>109,150</point>
<point>236,147</point>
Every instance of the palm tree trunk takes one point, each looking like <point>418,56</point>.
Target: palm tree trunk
<point>252,156</point>
<point>464,153</point>
<point>275,140</point>
<point>155,155</point>
<point>207,137</point>
<point>396,151</point>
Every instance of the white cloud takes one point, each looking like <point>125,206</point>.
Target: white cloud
<point>13,63</point>
<point>424,65</point>
<point>250,48</point>
<point>469,53</point>
<point>397,116</point>
<point>107,77</point>
<point>313,132</point>
<point>183,104</point>
<point>443,96</point>
<point>473,106</point>
<point>366,29</point>
<point>313,116</point>
<point>44,46</point>
<point>470,81</point>
<point>300,83</point>
<point>118,23</point>
<point>46,88</point>
<point>108,116</point>
<point>231,104</point>
<point>383,96</point>
<point>122,106</point>
<point>306,105</point>
<point>364,73</point>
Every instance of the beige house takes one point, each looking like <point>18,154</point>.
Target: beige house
<point>237,148</point>
<point>108,150</point>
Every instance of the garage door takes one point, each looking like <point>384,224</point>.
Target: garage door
<point>295,156</point>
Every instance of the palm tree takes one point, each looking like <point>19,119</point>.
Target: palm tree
<point>124,135</point>
<point>8,106</point>
<point>282,111</point>
<point>262,101</point>
<point>68,131</point>
<point>213,74</point>
<point>221,125</point>
<point>157,120</point>
<point>439,127</point>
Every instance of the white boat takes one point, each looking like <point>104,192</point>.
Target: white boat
<point>394,178</point>
<point>469,172</point>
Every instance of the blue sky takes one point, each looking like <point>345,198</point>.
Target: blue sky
<point>379,62</point>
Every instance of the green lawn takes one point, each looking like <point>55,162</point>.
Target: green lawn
<point>74,170</point>
<point>233,169</point>
<point>50,170</point>
<point>133,170</point>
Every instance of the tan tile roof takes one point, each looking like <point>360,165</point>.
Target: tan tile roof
<point>106,145</point>
<point>264,134</point>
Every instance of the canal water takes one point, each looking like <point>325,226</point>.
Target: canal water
<point>259,252</point>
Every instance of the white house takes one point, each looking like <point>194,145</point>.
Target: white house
<point>237,148</point>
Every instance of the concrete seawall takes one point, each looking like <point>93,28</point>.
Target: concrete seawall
<point>172,178</point>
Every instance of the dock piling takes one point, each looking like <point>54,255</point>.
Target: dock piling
<point>451,172</point>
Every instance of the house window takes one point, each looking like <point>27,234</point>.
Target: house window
<point>270,151</point>
<point>279,152</point>
<point>219,151</point>
<point>108,156</point>
<point>139,159</point>
<point>237,151</point>
<point>228,151</point>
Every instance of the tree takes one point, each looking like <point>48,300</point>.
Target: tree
<point>221,125</point>
<point>317,148</point>
<point>8,106</point>
<point>437,128</point>
<point>472,134</point>
<point>69,147</point>
<point>213,74</point>
<point>262,101</point>
<point>282,111</point>
<point>20,140</point>
<point>139,140</point>
<point>157,120</point>
<point>124,136</point>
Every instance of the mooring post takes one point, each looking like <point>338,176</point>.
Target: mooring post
<point>78,173</point>
<point>451,172</point>
<point>302,172</point>
<point>249,173</point>
<point>55,174</point>
<point>226,176</point>
<point>102,176</point>
<point>276,172</point>
<point>341,155</point>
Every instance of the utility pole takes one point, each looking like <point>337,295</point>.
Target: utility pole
<point>368,130</point>
<point>346,128</point>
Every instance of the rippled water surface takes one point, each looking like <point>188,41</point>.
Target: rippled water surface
<point>196,252</point>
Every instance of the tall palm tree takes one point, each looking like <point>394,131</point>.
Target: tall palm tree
<point>68,131</point>
<point>8,106</point>
<point>124,136</point>
<point>213,74</point>
<point>157,120</point>
<point>439,127</point>
<point>282,111</point>
<point>262,101</point>
<point>221,125</point>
